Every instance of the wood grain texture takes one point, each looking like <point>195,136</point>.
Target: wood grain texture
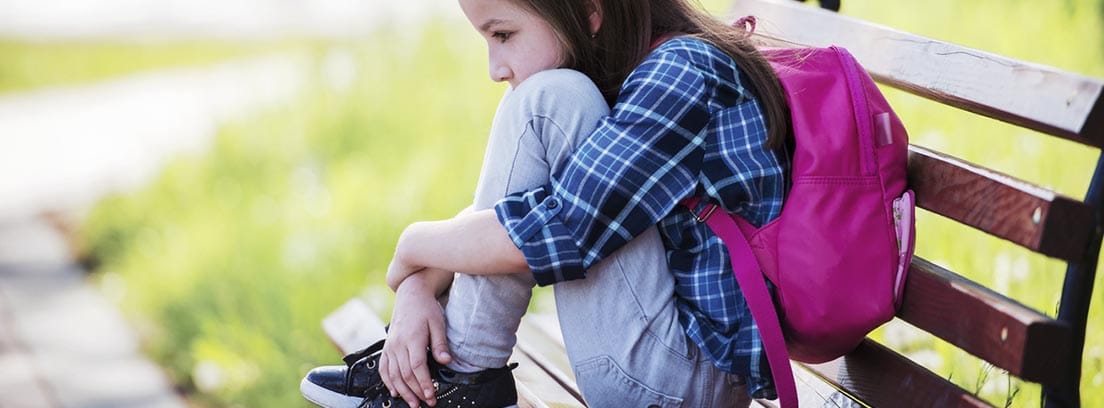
<point>540,340</point>
<point>528,399</point>
<point>539,384</point>
<point>541,331</point>
<point>1030,95</point>
<point>879,377</point>
<point>540,355</point>
<point>1034,217</point>
<point>814,391</point>
<point>986,324</point>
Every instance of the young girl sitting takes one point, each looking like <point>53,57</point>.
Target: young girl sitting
<point>592,192</point>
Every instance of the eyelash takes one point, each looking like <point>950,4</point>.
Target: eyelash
<point>501,36</point>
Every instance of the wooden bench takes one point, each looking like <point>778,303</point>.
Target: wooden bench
<point>1025,342</point>
<point>1007,334</point>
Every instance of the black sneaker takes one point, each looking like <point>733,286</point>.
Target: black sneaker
<point>345,386</point>
<point>492,388</point>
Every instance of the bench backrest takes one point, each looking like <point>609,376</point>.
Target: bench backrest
<point>1009,335</point>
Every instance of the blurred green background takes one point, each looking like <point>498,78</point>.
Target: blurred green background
<point>227,261</point>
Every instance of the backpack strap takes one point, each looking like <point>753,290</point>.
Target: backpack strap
<point>750,278</point>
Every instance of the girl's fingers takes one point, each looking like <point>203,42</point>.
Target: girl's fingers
<point>409,380</point>
<point>421,378</point>
<point>439,341</point>
<point>385,371</point>
<point>399,388</point>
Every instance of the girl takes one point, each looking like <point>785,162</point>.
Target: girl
<point>697,115</point>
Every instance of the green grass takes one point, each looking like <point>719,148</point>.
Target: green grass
<point>228,262</point>
<point>28,65</point>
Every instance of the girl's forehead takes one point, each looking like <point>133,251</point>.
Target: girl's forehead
<point>494,6</point>
<point>484,14</point>
<point>489,5</point>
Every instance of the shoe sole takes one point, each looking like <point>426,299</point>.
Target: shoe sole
<point>326,398</point>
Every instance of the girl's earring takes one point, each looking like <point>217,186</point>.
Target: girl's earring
<point>593,36</point>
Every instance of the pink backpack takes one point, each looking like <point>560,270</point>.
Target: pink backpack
<point>839,252</point>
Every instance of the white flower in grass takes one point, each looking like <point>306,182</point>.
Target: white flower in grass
<point>927,358</point>
<point>899,335</point>
<point>1021,269</point>
<point>996,384</point>
<point>339,69</point>
<point>1002,272</point>
<point>113,286</point>
<point>208,376</point>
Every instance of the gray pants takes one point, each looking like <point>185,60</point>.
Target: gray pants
<point>620,324</point>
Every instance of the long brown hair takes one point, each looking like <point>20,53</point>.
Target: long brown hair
<point>625,36</point>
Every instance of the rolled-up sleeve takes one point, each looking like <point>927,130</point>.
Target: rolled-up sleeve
<point>631,172</point>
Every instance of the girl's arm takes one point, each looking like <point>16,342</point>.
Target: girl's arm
<point>437,279</point>
<point>633,170</point>
<point>434,282</point>
<point>643,159</point>
<point>474,243</point>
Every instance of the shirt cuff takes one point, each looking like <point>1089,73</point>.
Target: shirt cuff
<point>533,223</point>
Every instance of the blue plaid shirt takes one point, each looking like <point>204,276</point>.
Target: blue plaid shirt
<point>685,125</point>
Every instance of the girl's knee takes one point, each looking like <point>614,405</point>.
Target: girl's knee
<point>550,114</point>
<point>555,79</point>
<point>552,92</point>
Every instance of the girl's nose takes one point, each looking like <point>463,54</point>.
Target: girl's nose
<point>500,73</point>
<point>499,70</point>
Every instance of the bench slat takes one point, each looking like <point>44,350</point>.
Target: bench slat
<point>879,377</point>
<point>540,340</point>
<point>542,331</point>
<point>542,392</point>
<point>814,391</point>
<point>528,398</point>
<point>984,323</point>
<point>537,353</point>
<point>1033,96</point>
<point>1033,217</point>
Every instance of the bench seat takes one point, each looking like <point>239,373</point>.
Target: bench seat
<point>544,377</point>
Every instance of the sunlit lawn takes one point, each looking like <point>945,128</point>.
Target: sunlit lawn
<point>229,261</point>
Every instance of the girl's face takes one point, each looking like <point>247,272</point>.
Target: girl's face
<point>519,42</point>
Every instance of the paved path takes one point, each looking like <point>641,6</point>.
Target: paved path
<point>62,343</point>
<point>67,147</point>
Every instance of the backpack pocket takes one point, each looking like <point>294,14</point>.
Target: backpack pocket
<point>837,264</point>
<point>904,216</point>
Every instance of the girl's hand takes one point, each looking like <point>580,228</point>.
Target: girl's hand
<point>417,322</point>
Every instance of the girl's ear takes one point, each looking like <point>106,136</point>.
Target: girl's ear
<point>595,16</point>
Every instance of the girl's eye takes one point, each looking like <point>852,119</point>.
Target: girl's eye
<point>501,36</point>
